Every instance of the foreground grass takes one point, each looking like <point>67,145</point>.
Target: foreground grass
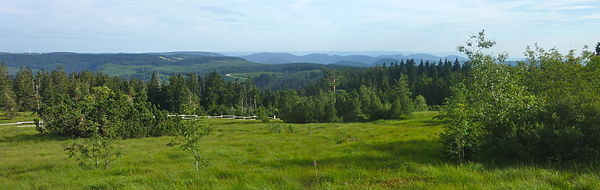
<point>245,155</point>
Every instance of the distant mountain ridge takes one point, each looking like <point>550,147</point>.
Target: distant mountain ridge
<point>354,60</point>
<point>115,63</point>
<point>190,53</point>
<point>142,65</point>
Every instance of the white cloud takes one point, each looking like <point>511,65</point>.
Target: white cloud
<point>576,7</point>
<point>264,25</point>
<point>590,17</point>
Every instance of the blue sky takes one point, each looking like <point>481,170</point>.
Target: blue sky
<point>293,25</point>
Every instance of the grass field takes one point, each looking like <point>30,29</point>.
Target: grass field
<point>19,116</point>
<point>127,70</point>
<point>245,155</point>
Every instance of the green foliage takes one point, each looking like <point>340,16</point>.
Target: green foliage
<point>7,100</point>
<point>262,115</point>
<point>492,113</point>
<point>568,86</point>
<point>290,129</point>
<point>188,139</point>
<point>104,112</point>
<point>24,88</point>
<point>396,109</point>
<point>430,79</point>
<point>545,109</point>
<point>95,152</point>
<point>371,104</point>
<point>403,95</point>
<point>461,136</point>
<point>299,109</point>
<point>420,104</point>
<point>275,128</point>
<point>154,93</point>
<point>342,136</point>
<point>178,97</point>
<point>348,106</point>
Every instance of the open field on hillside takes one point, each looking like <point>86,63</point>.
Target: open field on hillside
<point>247,155</point>
<point>126,70</point>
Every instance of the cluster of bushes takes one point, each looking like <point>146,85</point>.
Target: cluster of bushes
<point>547,108</point>
<point>364,104</point>
<point>106,113</point>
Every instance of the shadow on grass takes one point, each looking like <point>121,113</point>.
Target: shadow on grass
<point>376,156</point>
<point>16,171</point>
<point>404,154</point>
<point>31,138</point>
<point>573,167</point>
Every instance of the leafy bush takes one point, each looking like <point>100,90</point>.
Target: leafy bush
<point>343,137</point>
<point>420,104</point>
<point>275,128</point>
<point>290,129</point>
<point>545,109</point>
<point>106,113</point>
<point>262,115</point>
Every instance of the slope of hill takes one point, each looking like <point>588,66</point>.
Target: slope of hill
<point>142,65</point>
<point>125,64</point>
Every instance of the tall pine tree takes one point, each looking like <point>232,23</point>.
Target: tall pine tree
<point>24,88</point>
<point>7,99</point>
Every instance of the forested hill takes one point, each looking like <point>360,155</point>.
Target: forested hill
<point>142,65</point>
<point>74,62</point>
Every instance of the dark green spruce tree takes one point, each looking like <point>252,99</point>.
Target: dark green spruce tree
<point>7,96</point>
<point>24,88</point>
<point>154,90</point>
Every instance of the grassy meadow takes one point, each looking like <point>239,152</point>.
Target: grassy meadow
<point>383,154</point>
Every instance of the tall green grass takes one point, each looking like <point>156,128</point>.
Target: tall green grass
<point>246,155</point>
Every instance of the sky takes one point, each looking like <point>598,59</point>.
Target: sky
<point>429,26</point>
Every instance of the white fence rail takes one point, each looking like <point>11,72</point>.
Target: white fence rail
<point>252,117</point>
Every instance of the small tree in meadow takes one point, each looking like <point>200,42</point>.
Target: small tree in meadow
<point>420,104</point>
<point>188,139</point>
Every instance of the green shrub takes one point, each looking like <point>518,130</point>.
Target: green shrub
<point>290,129</point>
<point>343,137</point>
<point>106,113</point>
<point>545,109</point>
<point>420,104</point>
<point>275,128</point>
